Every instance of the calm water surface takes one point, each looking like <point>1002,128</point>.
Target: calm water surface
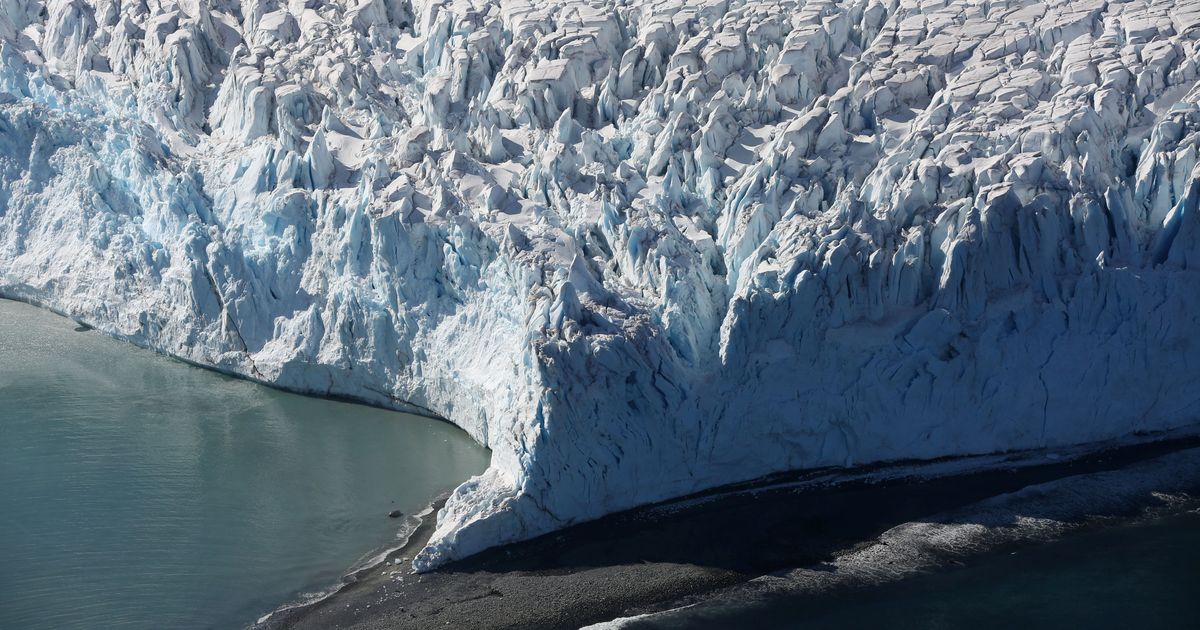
<point>1139,575</point>
<point>140,492</point>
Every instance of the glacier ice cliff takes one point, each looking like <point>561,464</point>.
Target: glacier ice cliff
<point>638,248</point>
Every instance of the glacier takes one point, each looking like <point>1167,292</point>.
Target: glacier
<point>636,248</point>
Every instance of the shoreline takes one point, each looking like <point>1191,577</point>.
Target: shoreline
<point>1143,493</point>
<point>766,606</point>
<point>422,528</point>
<point>229,499</point>
<point>662,557</point>
<point>681,577</point>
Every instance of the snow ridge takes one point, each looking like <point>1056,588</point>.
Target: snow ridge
<point>636,248</point>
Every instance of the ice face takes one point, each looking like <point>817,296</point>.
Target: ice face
<point>637,249</point>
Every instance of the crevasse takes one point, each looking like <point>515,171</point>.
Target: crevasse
<point>636,248</point>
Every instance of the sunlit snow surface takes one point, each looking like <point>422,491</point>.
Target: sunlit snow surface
<point>637,248</point>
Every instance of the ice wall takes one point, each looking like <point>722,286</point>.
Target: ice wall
<point>637,248</point>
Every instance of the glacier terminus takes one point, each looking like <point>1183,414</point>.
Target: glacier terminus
<point>637,248</point>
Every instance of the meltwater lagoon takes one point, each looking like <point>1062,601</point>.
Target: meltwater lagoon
<point>140,492</point>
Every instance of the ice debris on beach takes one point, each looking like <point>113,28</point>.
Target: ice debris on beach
<point>638,248</point>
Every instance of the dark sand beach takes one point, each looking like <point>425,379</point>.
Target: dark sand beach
<point>686,551</point>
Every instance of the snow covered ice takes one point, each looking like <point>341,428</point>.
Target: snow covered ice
<point>638,248</point>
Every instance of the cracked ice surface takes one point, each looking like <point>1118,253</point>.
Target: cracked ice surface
<point>637,248</point>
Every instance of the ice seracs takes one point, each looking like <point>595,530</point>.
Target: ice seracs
<point>636,248</point>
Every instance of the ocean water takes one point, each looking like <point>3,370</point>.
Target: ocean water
<point>1142,574</point>
<point>140,492</point>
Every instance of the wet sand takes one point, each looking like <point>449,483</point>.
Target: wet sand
<point>664,556</point>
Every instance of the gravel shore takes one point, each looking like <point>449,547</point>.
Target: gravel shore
<point>664,556</point>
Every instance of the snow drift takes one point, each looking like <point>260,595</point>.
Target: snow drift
<point>637,248</point>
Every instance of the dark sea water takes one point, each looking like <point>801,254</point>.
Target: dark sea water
<point>1136,575</point>
<point>140,492</point>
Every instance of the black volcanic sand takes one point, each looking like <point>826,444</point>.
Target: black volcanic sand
<point>655,558</point>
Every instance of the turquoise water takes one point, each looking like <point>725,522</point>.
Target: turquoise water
<point>1138,575</point>
<point>140,492</point>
